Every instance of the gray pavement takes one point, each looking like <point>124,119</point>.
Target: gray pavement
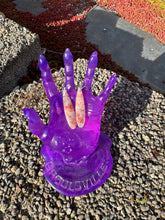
<point>33,6</point>
<point>130,47</point>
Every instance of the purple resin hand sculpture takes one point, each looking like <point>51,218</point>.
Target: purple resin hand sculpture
<point>73,134</point>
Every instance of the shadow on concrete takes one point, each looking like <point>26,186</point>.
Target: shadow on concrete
<point>130,47</point>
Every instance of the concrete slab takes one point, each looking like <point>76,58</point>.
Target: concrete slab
<point>33,6</point>
<point>130,47</point>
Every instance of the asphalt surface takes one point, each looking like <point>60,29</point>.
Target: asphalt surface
<point>130,47</point>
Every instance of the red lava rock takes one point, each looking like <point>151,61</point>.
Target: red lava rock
<point>155,152</point>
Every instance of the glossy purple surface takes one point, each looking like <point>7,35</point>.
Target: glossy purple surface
<point>77,161</point>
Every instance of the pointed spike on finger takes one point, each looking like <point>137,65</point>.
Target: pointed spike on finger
<point>92,64</point>
<point>104,95</point>
<point>69,110</point>
<point>43,64</point>
<point>93,60</point>
<point>69,72</point>
<point>80,108</point>
<point>67,57</point>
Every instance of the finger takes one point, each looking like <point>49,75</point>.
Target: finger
<point>36,126</point>
<point>80,108</point>
<point>104,95</point>
<point>69,73</point>
<point>90,71</point>
<point>69,110</point>
<point>47,78</point>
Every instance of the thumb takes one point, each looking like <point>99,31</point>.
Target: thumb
<point>36,126</point>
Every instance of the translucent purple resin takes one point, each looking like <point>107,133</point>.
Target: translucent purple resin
<point>77,161</point>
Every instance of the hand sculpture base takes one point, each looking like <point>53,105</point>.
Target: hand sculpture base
<point>80,178</point>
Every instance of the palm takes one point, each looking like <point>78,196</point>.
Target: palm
<point>71,144</point>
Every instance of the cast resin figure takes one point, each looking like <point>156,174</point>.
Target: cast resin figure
<point>77,156</point>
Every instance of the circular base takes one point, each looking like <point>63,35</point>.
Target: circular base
<point>84,177</point>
